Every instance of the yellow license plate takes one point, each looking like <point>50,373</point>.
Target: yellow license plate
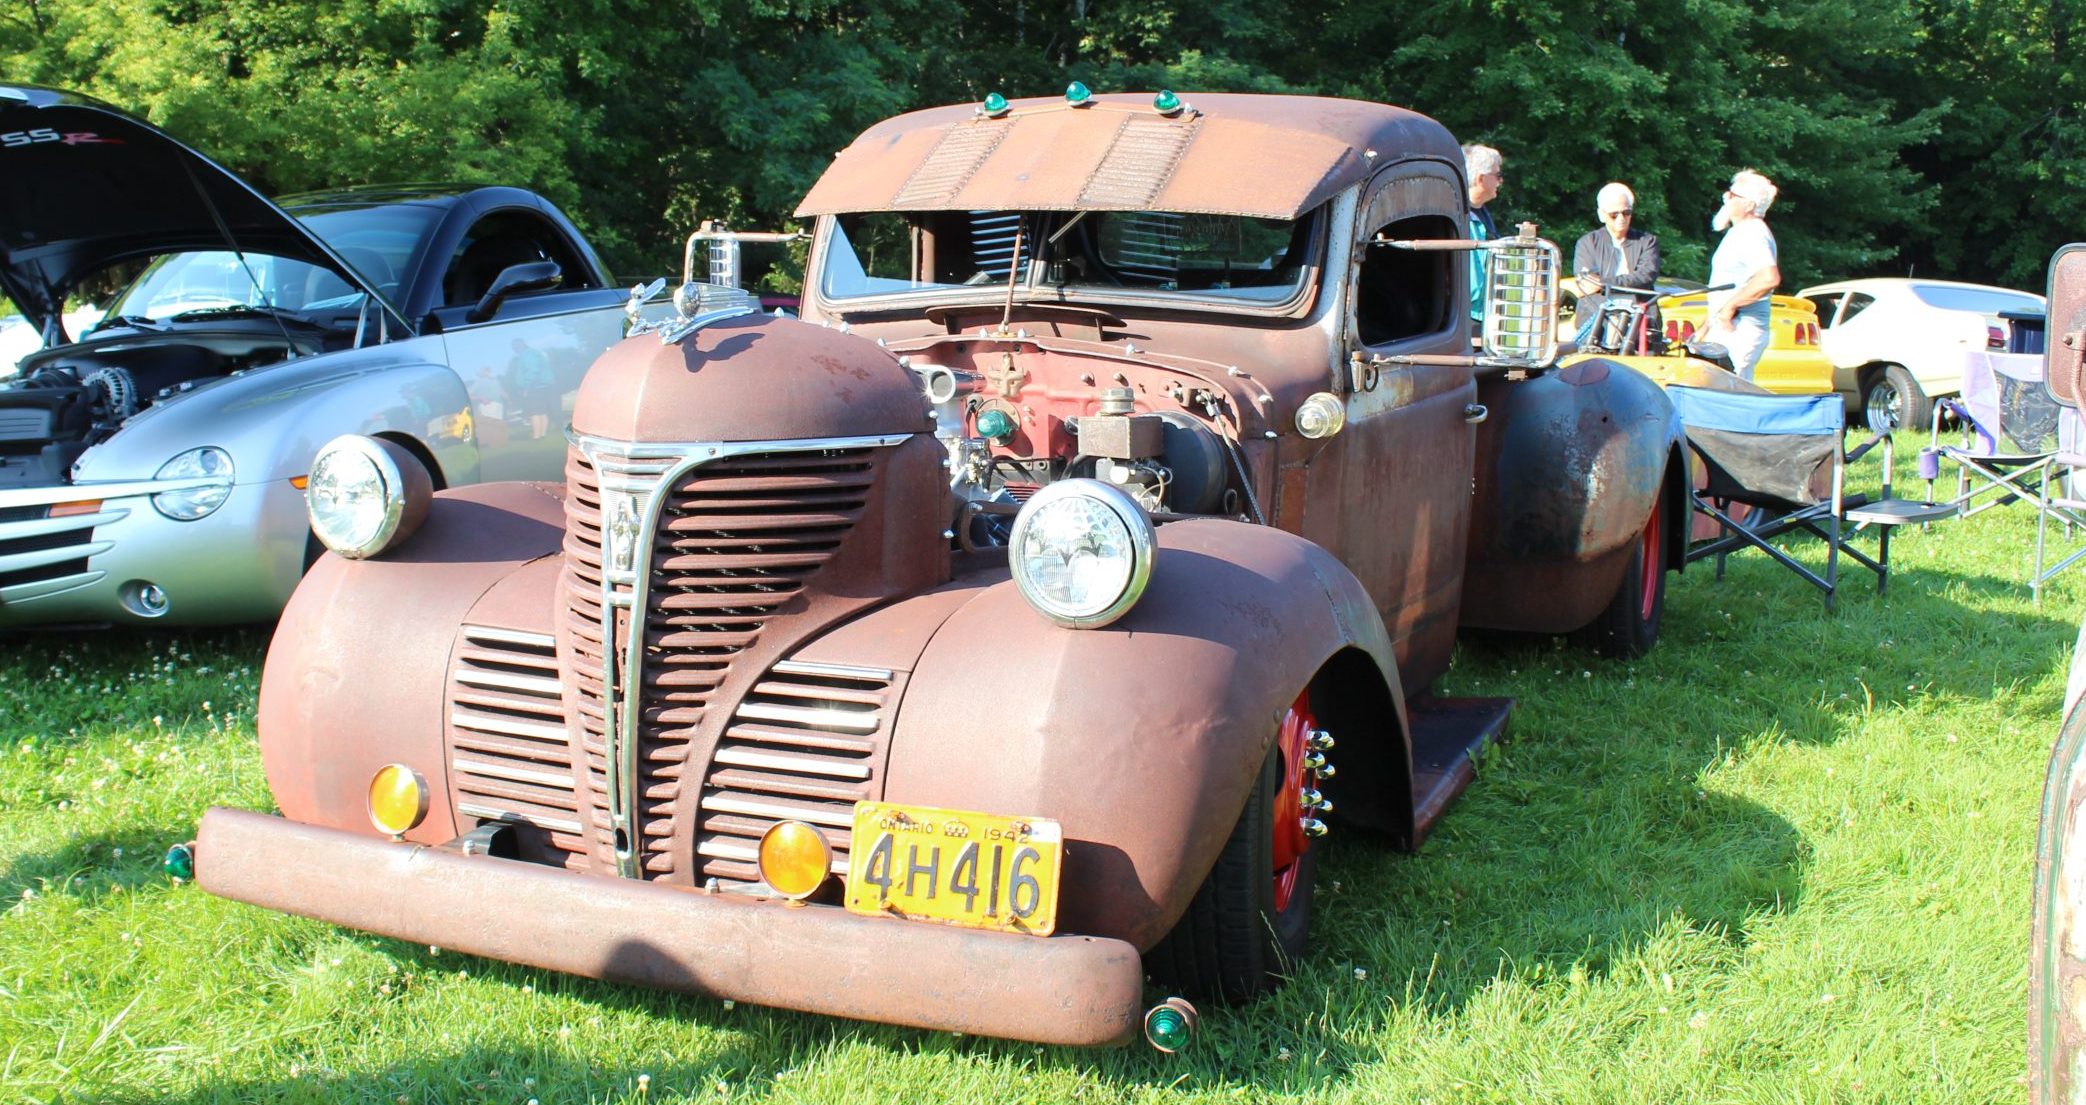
<point>979,870</point>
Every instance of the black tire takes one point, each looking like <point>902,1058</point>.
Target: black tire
<point>1233,945</point>
<point>1628,626</point>
<point>1891,399</point>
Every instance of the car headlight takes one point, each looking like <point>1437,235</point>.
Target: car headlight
<point>366,495</point>
<point>1081,552</point>
<point>195,502</point>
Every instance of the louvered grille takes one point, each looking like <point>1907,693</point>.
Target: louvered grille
<point>510,754</point>
<point>807,743</point>
<point>735,539</point>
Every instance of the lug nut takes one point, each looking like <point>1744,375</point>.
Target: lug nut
<point>1318,740</point>
<point>1313,827</point>
<point>1313,800</point>
<point>1314,761</point>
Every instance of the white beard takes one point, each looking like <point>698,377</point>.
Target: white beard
<point>1721,221</point>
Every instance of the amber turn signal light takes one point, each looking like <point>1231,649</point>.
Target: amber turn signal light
<point>397,800</point>
<point>795,859</point>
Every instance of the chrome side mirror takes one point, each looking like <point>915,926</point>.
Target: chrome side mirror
<point>1520,327</point>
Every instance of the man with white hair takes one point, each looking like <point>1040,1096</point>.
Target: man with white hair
<point>1482,165</point>
<point>1744,271</point>
<point>1616,253</point>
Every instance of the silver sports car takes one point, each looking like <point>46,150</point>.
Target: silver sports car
<point>152,468</point>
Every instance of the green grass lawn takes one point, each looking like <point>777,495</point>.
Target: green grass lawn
<point>1785,858</point>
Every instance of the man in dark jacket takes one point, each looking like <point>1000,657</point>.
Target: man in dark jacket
<point>1617,253</point>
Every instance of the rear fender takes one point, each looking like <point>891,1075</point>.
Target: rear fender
<point>1568,467</point>
<point>1145,737</point>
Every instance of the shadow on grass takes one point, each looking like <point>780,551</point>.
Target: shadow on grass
<point>475,1074</point>
<point>91,867</point>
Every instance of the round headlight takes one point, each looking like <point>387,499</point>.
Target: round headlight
<point>195,502</point>
<point>1081,552</point>
<point>366,495</point>
<point>397,799</point>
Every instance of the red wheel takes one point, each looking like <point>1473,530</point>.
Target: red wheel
<point>1629,625</point>
<point>1252,916</point>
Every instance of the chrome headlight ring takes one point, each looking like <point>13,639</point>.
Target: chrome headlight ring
<point>366,495</point>
<point>1081,552</point>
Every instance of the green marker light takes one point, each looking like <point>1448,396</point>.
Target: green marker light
<point>1166,103</point>
<point>1170,1025</point>
<point>1078,95</point>
<point>996,426</point>
<point>995,106</point>
<point>180,863</point>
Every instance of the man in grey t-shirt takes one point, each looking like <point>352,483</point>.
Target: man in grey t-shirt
<point>1746,265</point>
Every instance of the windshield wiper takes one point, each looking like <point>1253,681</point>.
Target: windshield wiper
<point>241,311</point>
<point>135,322</point>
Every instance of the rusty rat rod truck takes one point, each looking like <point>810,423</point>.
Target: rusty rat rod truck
<point>985,642</point>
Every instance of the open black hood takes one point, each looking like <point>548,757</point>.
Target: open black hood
<point>83,185</point>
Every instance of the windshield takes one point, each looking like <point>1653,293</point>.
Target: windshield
<point>378,242</point>
<point>1105,255</point>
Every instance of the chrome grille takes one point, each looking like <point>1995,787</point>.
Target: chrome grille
<point>510,753</point>
<point>806,743</point>
<point>730,541</point>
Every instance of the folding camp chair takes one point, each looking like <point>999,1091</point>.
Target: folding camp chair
<point>2018,446</point>
<point>1785,457</point>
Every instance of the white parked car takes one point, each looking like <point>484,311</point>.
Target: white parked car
<point>1897,344</point>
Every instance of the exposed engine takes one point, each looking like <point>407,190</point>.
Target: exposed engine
<point>74,397</point>
<point>1014,422</point>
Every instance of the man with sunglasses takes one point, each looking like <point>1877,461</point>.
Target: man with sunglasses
<point>1744,271</point>
<point>1616,253</point>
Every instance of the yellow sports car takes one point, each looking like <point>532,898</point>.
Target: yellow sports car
<point>1793,363</point>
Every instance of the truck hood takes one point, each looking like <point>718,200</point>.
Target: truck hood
<point>83,185</point>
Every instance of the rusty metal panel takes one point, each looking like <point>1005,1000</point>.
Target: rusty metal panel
<point>1119,154</point>
<point>2066,351</point>
<point>1143,739</point>
<point>1073,990</point>
<point>1568,467</point>
<point>950,165</point>
<point>358,670</point>
<point>1139,162</point>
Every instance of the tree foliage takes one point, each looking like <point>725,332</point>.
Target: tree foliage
<point>1946,137</point>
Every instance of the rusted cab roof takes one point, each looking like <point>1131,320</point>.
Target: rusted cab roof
<point>1268,156</point>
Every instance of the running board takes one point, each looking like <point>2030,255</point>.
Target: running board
<point>1447,735</point>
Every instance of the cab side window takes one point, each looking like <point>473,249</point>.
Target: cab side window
<point>1403,293</point>
<point>503,239</point>
<point>1856,304</point>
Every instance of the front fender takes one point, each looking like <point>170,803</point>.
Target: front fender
<point>357,672</point>
<point>1145,737</point>
<point>274,420</point>
<point>1569,466</point>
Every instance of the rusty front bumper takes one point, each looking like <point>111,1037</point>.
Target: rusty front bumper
<point>1078,990</point>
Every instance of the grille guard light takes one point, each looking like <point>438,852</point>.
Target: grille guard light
<point>794,859</point>
<point>398,800</point>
